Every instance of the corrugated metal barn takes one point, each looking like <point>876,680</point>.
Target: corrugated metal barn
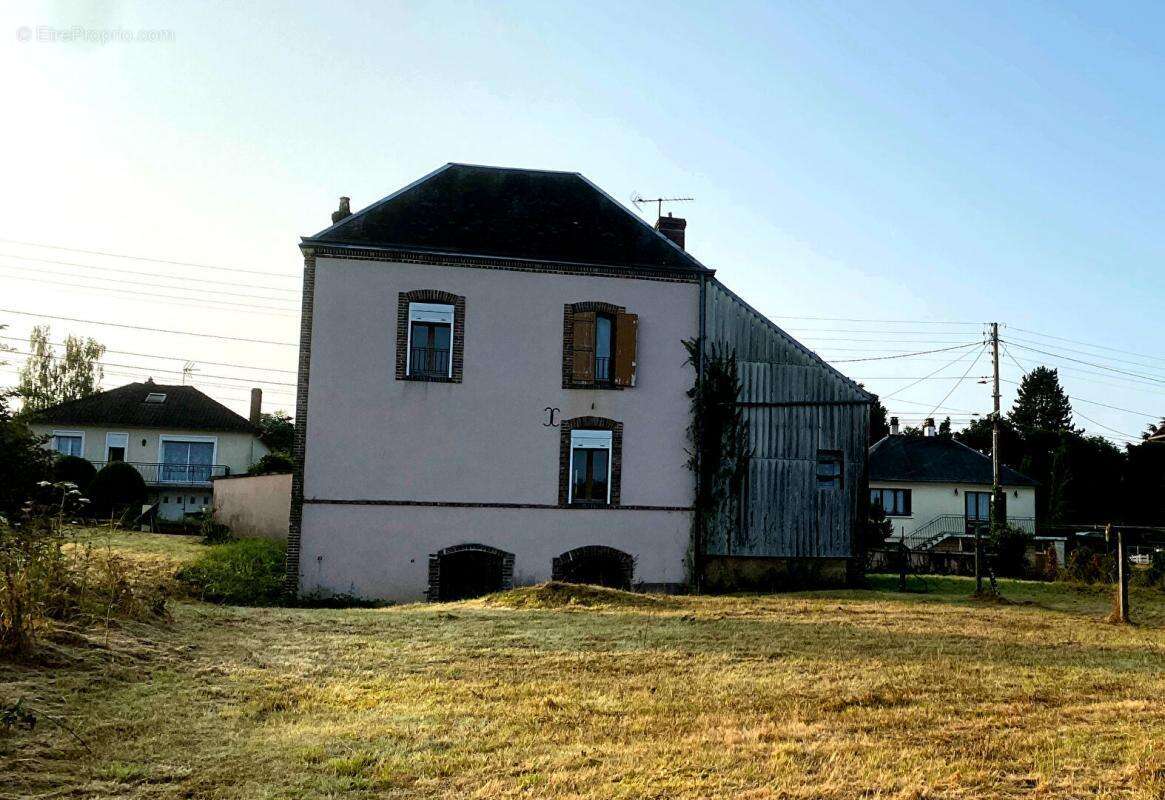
<point>806,480</point>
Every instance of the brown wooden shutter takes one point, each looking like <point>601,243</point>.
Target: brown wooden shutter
<point>584,347</point>
<point>626,328</point>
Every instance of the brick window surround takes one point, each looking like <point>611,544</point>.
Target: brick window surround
<point>568,312</point>
<point>560,566</point>
<point>402,333</point>
<point>507,559</point>
<point>616,477</point>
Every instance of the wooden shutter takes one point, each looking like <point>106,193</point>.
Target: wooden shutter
<point>626,328</point>
<point>584,347</point>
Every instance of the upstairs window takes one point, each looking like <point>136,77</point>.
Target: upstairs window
<point>599,346</point>
<point>430,341</point>
<point>895,502</point>
<point>430,336</point>
<point>829,469</point>
<point>154,398</point>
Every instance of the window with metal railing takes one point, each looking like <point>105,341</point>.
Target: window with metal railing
<point>430,340</point>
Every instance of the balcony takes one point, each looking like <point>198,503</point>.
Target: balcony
<point>429,362</point>
<point>199,475</point>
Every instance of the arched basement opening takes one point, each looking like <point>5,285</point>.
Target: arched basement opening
<point>469,570</point>
<point>595,564</point>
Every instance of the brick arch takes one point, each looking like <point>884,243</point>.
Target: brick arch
<point>568,312</point>
<point>590,424</point>
<point>440,558</point>
<point>595,559</point>
<point>402,332</point>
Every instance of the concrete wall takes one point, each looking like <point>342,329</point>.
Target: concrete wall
<point>929,500</point>
<point>257,506</point>
<point>381,441</point>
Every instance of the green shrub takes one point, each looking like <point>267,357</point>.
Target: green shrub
<point>1010,547</point>
<point>272,464</point>
<point>75,470</point>
<point>1154,576</point>
<point>247,572</point>
<point>1085,565</point>
<point>118,487</point>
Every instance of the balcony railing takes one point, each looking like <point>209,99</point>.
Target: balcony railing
<point>175,474</point>
<point>602,369</point>
<point>429,362</point>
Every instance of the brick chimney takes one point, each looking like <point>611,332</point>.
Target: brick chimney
<point>344,211</point>
<point>893,426</point>
<point>256,406</point>
<point>672,228</point>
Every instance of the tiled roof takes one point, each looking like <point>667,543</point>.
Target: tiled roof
<point>935,459</point>
<point>184,408</point>
<point>502,212</point>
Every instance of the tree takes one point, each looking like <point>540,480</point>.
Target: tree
<point>1041,403</point>
<point>24,462</point>
<point>48,379</point>
<point>879,424</point>
<point>944,428</point>
<point>277,431</point>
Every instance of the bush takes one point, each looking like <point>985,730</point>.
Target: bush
<point>24,462</point>
<point>272,463</point>
<point>212,532</point>
<point>1010,546</point>
<point>1085,565</point>
<point>248,572</point>
<point>75,470</point>
<point>1154,576</point>
<point>118,487</point>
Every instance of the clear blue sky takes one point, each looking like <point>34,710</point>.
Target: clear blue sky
<point>940,162</point>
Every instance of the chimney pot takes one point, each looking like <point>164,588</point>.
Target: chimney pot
<point>256,406</point>
<point>894,426</point>
<point>344,211</point>
<point>672,228</point>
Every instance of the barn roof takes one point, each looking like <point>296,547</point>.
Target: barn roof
<point>503,212</point>
<point>935,459</point>
<point>181,408</point>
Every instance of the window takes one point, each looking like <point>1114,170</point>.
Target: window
<point>598,346</point>
<point>590,462</point>
<point>895,502</point>
<point>590,466</point>
<point>115,446</point>
<point>155,397</point>
<point>430,340</point>
<point>978,506</point>
<point>186,461</point>
<point>69,443</point>
<point>430,336</point>
<point>829,471</point>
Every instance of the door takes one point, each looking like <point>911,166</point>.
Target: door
<point>186,461</point>
<point>978,510</point>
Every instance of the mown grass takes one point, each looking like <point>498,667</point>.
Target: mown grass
<point>530,694</point>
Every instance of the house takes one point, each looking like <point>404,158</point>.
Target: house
<point>936,491</point>
<point>175,436</point>
<point>493,391</point>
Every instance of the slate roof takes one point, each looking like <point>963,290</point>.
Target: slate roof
<point>464,209</point>
<point>185,408</point>
<point>935,459</point>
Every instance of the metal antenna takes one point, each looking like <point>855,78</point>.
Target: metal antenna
<point>188,369</point>
<point>637,201</point>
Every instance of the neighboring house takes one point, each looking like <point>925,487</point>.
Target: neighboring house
<point>936,490</point>
<point>175,436</point>
<point>492,391</point>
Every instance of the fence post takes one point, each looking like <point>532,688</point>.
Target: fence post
<point>1122,576</point>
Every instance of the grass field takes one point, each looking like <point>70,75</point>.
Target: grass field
<point>552,693</point>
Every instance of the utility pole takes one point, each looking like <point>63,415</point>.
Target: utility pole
<point>996,492</point>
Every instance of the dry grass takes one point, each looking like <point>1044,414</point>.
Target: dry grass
<point>812,695</point>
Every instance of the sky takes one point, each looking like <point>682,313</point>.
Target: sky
<point>941,165</point>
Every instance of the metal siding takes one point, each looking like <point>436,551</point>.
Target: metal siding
<point>786,514</point>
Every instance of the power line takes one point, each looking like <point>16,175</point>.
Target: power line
<point>161,369</point>
<point>1087,363</point>
<point>1101,424</point>
<point>959,381</point>
<point>153,330</point>
<point>155,285</point>
<point>1075,398</point>
<point>169,299</point>
<point>1087,353</point>
<point>904,355</point>
<point>930,375</point>
<point>1087,344</point>
<point>198,279</point>
<point>169,358</point>
<point>867,319</point>
<point>144,258</point>
<point>1124,383</point>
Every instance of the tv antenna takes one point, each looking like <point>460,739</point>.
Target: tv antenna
<point>638,202</point>
<point>188,370</point>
